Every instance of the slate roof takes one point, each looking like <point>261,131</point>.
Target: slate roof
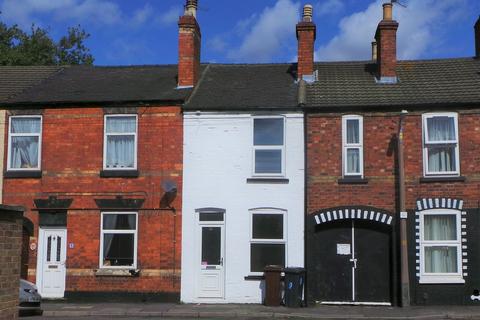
<point>15,80</point>
<point>232,87</point>
<point>91,84</point>
<point>423,83</point>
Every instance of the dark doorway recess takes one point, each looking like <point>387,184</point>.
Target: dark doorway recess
<point>351,261</point>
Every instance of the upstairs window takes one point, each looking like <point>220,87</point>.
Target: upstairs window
<point>440,144</point>
<point>440,246</point>
<point>268,144</point>
<point>120,142</point>
<point>352,136</point>
<point>267,245</point>
<point>24,143</point>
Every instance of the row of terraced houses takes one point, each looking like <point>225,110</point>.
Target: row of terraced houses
<point>182,182</point>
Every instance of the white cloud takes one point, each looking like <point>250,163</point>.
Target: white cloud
<point>328,7</point>
<point>23,12</point>
<point>142,15</point>
<point>267,33</point>
<point>422,25</point>
<point>170,16</point>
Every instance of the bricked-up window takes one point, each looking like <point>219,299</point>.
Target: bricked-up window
<point>120,143</point>
<point>352,141</point>
<point>440,144</point>
<point>267,244</point>
<point>440,246</point>
<point>268,144</point>
<point>24,143</point>
<point>118,244</point>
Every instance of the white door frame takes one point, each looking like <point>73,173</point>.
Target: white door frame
<point>198,235</point>
<point>40,253</point>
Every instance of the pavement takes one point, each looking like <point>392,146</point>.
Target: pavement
<point>252,311</point>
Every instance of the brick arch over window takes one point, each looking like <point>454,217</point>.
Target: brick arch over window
<point>366,213</point>
<point>439,203</point>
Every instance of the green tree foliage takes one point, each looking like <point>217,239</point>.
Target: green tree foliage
<point>36,47</point>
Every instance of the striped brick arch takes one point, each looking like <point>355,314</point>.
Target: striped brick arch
<point>353,213</point>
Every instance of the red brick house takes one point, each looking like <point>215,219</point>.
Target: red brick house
<point>353,176</point>
<point>95,155</point>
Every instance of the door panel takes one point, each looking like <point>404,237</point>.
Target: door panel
<point>53,261</point>
<point>211,275</point>
<point>372,250</point>
<point>333,272</point>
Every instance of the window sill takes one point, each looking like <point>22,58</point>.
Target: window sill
<point>36,174</point>
<point>119,173</point>
<point>441,280</point>
<point>259,277</point>
<point>268,180</point>
<point>352,180</point>
<point>105,272</point>
<point>442,179</point>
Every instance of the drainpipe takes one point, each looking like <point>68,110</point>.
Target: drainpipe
<point>404,278</point>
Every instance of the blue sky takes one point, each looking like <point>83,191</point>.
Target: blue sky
<point>254,31</point>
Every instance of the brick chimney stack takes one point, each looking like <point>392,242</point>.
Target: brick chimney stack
<point>189,40</point>
<point>386,38</point>
<point>306,33</point>
<point>477,38</point>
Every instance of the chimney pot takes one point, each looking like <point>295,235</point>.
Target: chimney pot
<point>191,8</point>
<point>374,50</point>
<point>387,11</point>
<point>307,13</point>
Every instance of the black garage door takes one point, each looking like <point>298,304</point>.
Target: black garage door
<point>350,261</point>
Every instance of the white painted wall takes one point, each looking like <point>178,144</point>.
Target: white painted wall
<point>218,159</point>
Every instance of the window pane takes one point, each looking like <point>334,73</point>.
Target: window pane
<point>441,159</point>
<point>211,216</point>
<point>120,151</point>
<point>353,160</point>
<point>441,259</point>
<point>268,161</point>
<point>119,222</point>
<point>59,247</point>
<point>118,249</point>
<point>441,129</point>
<point>262,255</point>
<point>267,226</point>
<point>25,125</point>
<point>268,132</point>
<point>125,124</point>
<point>211,245</point>
<point>440,227</point>
<point>24,152</point>
<point>353,131</point>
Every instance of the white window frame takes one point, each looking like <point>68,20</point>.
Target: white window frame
<point>283,241</point>
<point>441,277</point>
<point>11,135</point>
<point>427,143</point>
<point>119,134</point>
<point>135,239</point>
<point>268,147</point>
<point>346,145</point>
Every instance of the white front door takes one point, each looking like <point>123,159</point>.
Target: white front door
<point>211,262</point>
<point>52,256</point>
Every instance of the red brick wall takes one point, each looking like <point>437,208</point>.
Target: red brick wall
<point>324,163</point>
<point>72,157</point>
